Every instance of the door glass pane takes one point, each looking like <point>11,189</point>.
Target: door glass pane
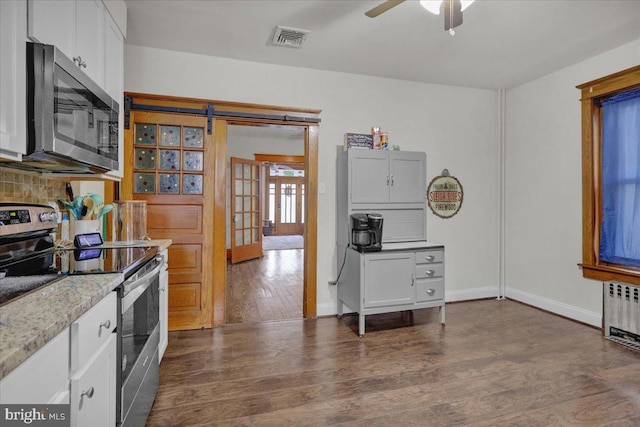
<point>247,187</point>
<point>193,160</point>
<point>254,171</point>
<point>169,159</point>
<point>193,137</point>
<point>192,184</point>
<point>238,204</point>
<point>247,220</point>
<point>238,189</point>
<point>145,134</point>
<point>247,204</point>
<point>169,183</point>
<point>247,172</point>
<point>272,201</point>
<point>170,136</point>
<point>247,236</point>
<point>238,173</point>
<point>144,183</point>
<point>239,237</point>
<point>256,237</point>
<point>144,158</point>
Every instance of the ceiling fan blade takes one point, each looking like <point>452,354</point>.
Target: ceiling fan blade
<point>452,14</point>
<point>381,8</point>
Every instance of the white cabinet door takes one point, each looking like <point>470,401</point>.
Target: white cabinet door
<point>113,79</point>
<point>90,38</point>
<point>407,170</point>
<point>369,176</point>
<point>93,389</point>
<point>164,307</point>
<point>389,279</point>
<point>13,92</point>
<point>53,22</point>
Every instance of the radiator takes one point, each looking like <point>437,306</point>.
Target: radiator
<point>622,313</point>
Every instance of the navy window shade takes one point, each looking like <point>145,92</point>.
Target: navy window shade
<point>620,228</point>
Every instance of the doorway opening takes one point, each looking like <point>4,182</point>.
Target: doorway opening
<point>266,211</point>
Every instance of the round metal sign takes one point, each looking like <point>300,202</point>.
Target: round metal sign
<point>445,195</point>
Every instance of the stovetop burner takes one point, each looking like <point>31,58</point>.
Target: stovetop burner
<point>24,275</point>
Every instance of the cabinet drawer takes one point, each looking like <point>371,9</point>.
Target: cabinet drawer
<point>429,290</point>
<point>429,257</point>
<point>92,330</point>
<point>429,270</point>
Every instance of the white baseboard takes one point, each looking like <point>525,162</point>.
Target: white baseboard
<point>562,309</point>
<point>471,294</point>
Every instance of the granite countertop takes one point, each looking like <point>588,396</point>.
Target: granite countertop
<point>29,322</point>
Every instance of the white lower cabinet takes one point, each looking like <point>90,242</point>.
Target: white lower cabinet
<point>164,306</point>
<point>42,378</point>
<point>93,389</point>
<point>393,280</point>
<point>93,365</point>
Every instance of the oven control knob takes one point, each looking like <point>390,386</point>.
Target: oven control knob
<point>49,217</point>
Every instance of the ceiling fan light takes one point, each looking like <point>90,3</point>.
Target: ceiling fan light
<point>465,4</point>
<point>432,6</point>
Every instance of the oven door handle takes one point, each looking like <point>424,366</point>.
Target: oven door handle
<point>133,290</point>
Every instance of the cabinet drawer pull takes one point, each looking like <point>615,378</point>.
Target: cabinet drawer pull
<point>106,324</point>
<point>387,179</point>
<point>78,60</point>
<point>391,179</point>
<point>430,272</point>
<point>431,292</point>
<point>88,393</point>
<point>430,258</point>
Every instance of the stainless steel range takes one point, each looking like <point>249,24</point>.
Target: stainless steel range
<point>29,261</point>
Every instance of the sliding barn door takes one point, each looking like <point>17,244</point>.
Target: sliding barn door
<point>169,163</point>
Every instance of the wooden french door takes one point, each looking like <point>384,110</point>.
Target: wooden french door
<point>169,162</point>
<point>246,234</point>
<point>289,205</point>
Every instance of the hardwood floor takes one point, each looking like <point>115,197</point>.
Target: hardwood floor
<point>497,363</point>
<point>265,289</point>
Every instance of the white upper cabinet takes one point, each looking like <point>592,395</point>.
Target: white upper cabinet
<point>13,92</point>
<point>74,27</point>
<point>114,78</point>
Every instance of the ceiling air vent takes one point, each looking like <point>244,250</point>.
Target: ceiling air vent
<point>290,37</point>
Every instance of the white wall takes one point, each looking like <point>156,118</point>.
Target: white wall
<point>544,185</point>
<point>455,126</point>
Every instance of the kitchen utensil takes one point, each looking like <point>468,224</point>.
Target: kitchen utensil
<point>88,203</point>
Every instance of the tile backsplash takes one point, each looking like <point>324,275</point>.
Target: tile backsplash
<point>18,186</point>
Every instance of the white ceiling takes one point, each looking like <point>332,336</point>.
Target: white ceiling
<point>501,44</point>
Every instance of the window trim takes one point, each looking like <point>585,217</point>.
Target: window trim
<point>591,95</point>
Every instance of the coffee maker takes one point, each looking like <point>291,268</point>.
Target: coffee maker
<point>366,232</point>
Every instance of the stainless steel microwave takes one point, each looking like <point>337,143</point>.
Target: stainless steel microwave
<point>72,124</point>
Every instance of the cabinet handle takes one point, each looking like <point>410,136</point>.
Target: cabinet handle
<point>387,179</point>
<point>88,393</point>
<point>430,272</point>
<point>430,258</point>
<point>78,60</point>
<point>391,179</point>
<point>162,289</point>
<point>106,324</point>
<point>431,292</point>
<point>413,279</point>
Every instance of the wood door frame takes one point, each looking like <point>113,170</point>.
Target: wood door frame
<point>311,143</point>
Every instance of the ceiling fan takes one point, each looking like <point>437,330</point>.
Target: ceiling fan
<point>452,10</point>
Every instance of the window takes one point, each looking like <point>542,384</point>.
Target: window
<point>611,177</point>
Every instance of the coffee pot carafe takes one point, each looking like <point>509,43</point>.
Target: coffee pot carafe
<point>366,232</point>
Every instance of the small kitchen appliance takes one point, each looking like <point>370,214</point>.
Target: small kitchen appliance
<point>366,232</point>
